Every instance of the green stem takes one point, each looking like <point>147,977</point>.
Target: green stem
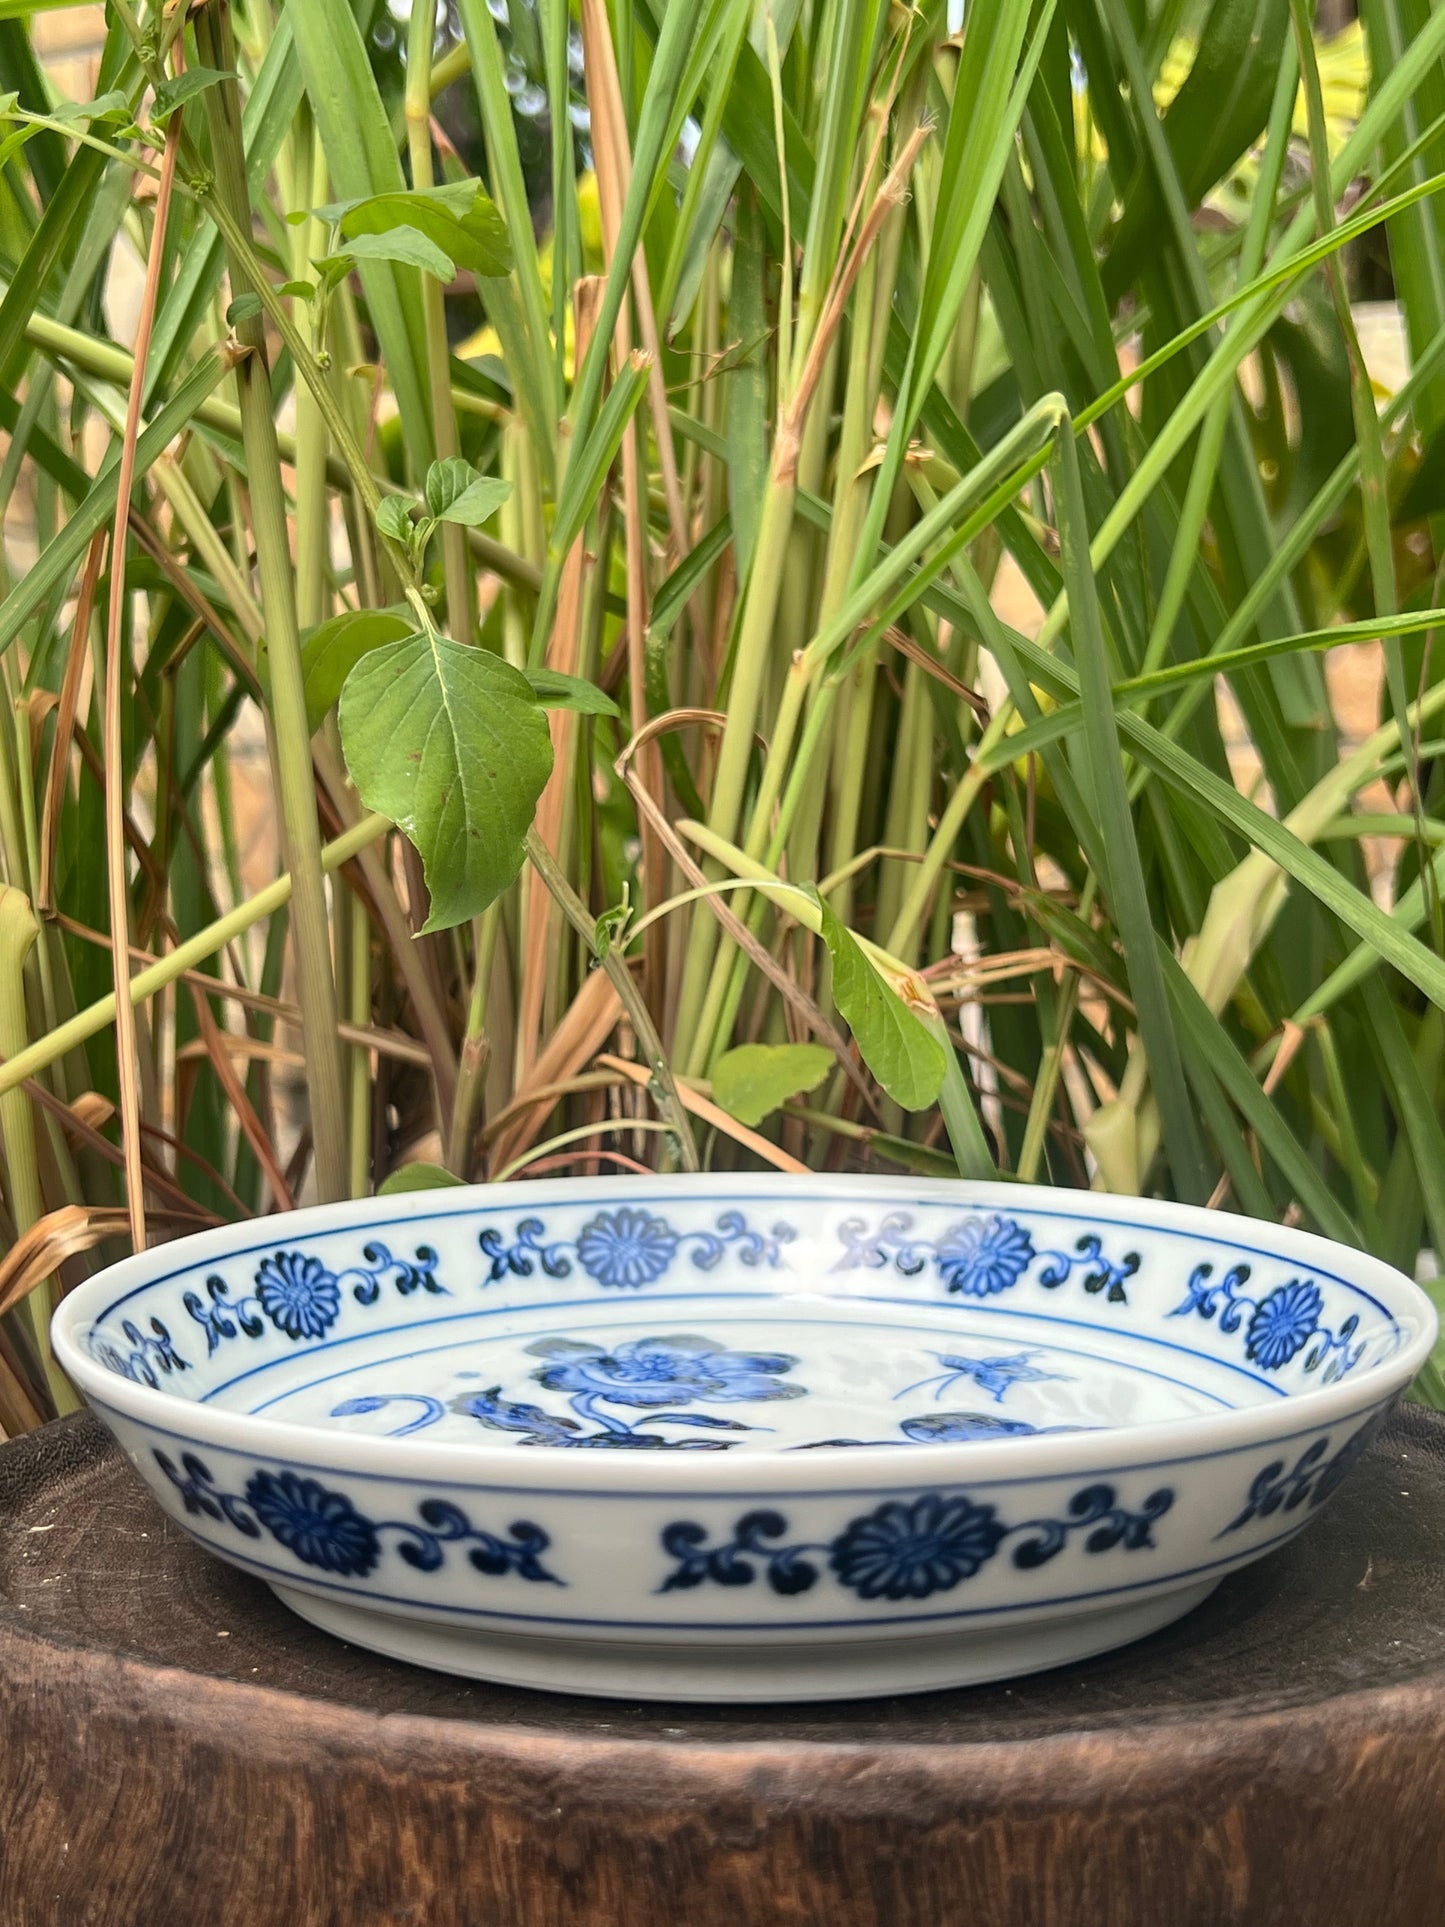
<point>628,995</point>
<point>315,986</point>
<point>965,1128</point>
<point>726,806</point>
<point>18,932</point>
<point>475,1054</point>
<point>313,521</point>
<point>461,614</point>
<point>186,956</point>
<point>359,1090</point>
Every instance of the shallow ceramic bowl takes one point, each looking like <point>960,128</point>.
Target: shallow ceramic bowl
<point>739,1438</point>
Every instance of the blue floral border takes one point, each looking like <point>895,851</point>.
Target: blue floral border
<point>981,1256</point>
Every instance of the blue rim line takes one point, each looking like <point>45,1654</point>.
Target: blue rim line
<point>303,1580</point>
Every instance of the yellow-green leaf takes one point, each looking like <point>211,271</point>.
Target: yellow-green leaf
<point>755,1079</point>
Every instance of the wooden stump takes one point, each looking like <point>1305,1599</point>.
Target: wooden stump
<point>176,1750</point>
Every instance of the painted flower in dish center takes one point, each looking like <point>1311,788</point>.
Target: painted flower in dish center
<point>663,1371</point>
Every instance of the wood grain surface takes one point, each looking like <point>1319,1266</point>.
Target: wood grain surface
<point>176,1750</point>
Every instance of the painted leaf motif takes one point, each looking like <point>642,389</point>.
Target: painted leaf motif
<point>450,743</point>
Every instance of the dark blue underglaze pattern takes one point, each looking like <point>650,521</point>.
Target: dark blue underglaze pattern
<point>981,1257</point>
<point>991,1375</point>
<point>904,1549</point>
<point>629,1248</point>
<point>1280,1324</point>
<point>1314,1475</point>
<point>648,1374</point>
<point>301,1298</point>
<point>147,1357</point>
<point>324,1529</point>
<point>652,1374</point>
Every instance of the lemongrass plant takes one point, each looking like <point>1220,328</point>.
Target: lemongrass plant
<point>789,582</point>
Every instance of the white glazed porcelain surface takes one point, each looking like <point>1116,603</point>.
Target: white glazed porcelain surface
<point>725,1438</point>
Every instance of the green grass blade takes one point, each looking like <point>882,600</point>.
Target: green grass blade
<point>1124,875</point>
<point>362,158</point>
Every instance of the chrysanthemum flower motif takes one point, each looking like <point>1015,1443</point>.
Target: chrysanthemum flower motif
<point>628,1247</point>
<point>909,1551</point>
<point>982,1256</point>
<point>322,1528</point>
<point>298,1294</point>
<point>1283,1322</point>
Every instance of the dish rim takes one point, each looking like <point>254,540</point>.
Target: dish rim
<point>821,1468</point>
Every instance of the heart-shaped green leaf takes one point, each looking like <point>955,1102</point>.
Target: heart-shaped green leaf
<point>457,492</point>
<point>450,743</point>
<point>333,649</point>
<point>755,1079</point>
<point>460,220</point>
<point>905,1057</point>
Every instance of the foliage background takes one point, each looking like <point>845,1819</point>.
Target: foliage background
<point>953,461</point>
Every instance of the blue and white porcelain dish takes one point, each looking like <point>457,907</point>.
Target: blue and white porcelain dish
<point>735,1438</point>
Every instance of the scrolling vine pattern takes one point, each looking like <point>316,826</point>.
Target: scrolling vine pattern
<point>904,1548</point>
<point>325,1529</point>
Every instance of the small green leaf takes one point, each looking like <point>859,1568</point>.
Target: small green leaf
<point>457,492</point>
<point>755,1079</point>
<point>897,1047</point>
<point>13,143</point>
<point>300,290</point>
<point>460,220</point>
<point>333,649</point>
<point>242,309</point>
<point>417,1177</point>
<point>607,932</point>
<point>449,742</point>
<point>174,93</point>
<point>107,107</point>
<point>554,690</point>
<point>331,270</point>
<point>393,517</point>
<point>406,244</point>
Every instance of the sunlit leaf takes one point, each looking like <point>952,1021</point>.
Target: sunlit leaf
<point>451,744</point>
<point>459,220</point>
<point>417,1177</point>
<point>898,1048</point>
<point>755,1079</point>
